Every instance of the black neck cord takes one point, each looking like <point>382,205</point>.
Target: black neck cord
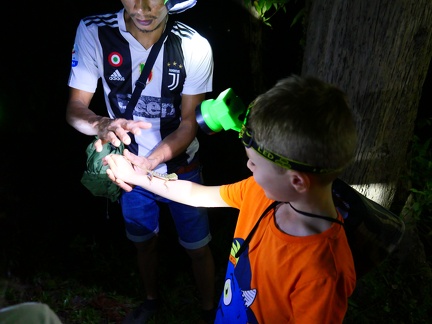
<point>251,233</point>
<point>330,219</point>
<point>273,205</point>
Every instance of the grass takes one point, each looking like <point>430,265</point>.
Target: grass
<point>92,277</point>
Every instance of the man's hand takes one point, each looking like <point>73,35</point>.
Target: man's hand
<point>141,164</point>
<point>116,131</point>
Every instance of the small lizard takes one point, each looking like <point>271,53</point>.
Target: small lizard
<point>163,176</point>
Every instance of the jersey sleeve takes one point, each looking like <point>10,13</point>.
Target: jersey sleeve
<point>84,72</point>
<point>198,64</point>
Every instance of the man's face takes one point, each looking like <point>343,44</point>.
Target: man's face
<point>146,15</point>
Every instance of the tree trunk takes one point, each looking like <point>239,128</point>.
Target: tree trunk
<point>254,33</point>
<point>378,52</point>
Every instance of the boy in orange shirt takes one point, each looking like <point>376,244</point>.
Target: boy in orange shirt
<point>290,260</point>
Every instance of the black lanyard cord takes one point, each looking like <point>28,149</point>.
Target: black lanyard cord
<point>252,232</point>
<point>273,205</point>
<point>330,219</point>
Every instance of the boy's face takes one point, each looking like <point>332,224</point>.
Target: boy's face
<point>274,181</point>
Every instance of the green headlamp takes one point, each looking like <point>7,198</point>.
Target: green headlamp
<point>226,112</point>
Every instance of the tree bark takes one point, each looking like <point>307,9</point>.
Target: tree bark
<point>254,33</point>
<point>378,52</point>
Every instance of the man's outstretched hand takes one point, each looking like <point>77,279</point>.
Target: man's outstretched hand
<point>115,131</point>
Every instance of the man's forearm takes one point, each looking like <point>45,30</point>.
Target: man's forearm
<point>172,146</point>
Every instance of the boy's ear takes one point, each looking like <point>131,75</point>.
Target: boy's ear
<point>299,180</point>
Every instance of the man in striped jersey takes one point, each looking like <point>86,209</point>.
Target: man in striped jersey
<point>161,127</point>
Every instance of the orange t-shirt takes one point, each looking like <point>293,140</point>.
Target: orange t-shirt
<point>282,278</point>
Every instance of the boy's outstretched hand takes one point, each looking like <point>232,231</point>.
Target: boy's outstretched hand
<point>121,171</point>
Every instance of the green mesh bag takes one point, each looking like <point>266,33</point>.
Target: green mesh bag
<point>95,178</point>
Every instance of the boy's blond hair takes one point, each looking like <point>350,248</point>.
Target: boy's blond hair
<point>305,120</point>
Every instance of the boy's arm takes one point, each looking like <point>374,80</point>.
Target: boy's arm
<point>122,172</point>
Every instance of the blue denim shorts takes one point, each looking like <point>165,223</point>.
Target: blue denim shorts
<point>141,215</point>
